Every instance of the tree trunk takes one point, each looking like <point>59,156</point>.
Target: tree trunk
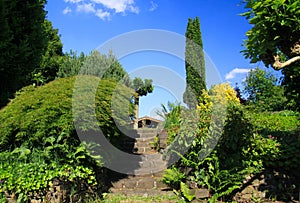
<point>136,112</point>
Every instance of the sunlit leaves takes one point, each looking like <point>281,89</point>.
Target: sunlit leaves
<point>263,91</point>
<point>276,28</point>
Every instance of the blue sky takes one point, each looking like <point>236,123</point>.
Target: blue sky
<point>86,24</point>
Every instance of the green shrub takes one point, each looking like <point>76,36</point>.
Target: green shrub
<point>41,112</point>
<point>38,139</point>
<point>224,170</point>
<point>249,144</point>
<point>282,128</point>
<point>272,122</point>
<point>29,174</point>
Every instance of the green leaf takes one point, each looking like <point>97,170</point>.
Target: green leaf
<point>186,192</point>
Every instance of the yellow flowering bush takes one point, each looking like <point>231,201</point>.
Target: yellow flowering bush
<point>221,94</point>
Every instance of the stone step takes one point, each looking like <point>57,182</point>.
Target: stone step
<point>139,164</point>
<point>139,182</point>
<point>139,145</point>
<point>146,135</point>
<point>142,150</point>
<point>143,192</point>
<point>152,164</point>
<point>152,167</point>
<point>143,133</point>
<point>143,143</point>
<point>148,130</point>
<point>139,150</point>
<point>140,140</point>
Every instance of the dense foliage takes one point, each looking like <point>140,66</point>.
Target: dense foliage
<point>274,37</point>
<point>248,143</point>
<point>291,83</point>
<point>171,114</point>
<point>22,43</point>
<point>52,56</point>
<point>104,66</point>
<point>219,142</point>
<point>71,64</point>
<point>194,63</point>
<point>264,91</point>
<point>39,143</point>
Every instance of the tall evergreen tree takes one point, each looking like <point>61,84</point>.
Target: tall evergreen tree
<point>22,43</point>
<point>194,64</point>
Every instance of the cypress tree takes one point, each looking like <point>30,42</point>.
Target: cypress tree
<point>194,64</point>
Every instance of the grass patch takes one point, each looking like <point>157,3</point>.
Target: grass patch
<point>139,199</point>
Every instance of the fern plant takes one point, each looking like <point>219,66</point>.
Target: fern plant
<point>173,177</point>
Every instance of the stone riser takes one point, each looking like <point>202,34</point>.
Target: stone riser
<point>139,145</point>
<point>141,150</point>
<point>143,193</point>
<point>139,183</point>
<point>148,135</point>
<point>149,168</point>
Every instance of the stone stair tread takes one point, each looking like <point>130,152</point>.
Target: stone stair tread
<point>140,183</point>
<point>145,170</point>
<point>144,192</point>
<point>142,150</point>
<point>144,139</point>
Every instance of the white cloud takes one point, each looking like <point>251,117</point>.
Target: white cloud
<point>120,6</point>
<point>134,9</point>
<point>86,8</point>
<point>102,8</point>
<point>67,10</point>
<point>104,15</point>
<point>236,71</point>
<point>153,6</point>
<point>73,1</point>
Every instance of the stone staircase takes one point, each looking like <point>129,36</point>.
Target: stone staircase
<point>139,141</point>
<point>146,179</point>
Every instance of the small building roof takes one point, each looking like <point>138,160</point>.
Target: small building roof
<point>149,118</point>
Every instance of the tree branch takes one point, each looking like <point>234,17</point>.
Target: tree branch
<point>277,65</point>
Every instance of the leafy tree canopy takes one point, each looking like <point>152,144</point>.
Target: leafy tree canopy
<point>104,66</point>
<point>142,88</point>
<point>275,35</point>
<point>263,91</point>
<point>96,64</point>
